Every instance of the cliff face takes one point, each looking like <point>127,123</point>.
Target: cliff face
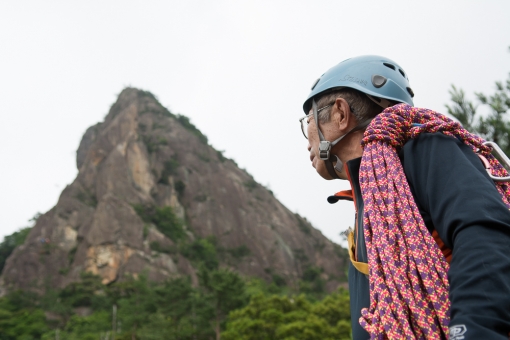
<point>148,183</point>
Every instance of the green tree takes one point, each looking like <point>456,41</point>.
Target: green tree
<point>177,309</point>
<point>495,126</point>
<point>312,283</point>
<point>225,291</point>
<point>291,318</point>
<point>27,323</point>
<point>88,292</point>
<point>335,310</point>
<point>137,304</point>
<point>203,252</point>
<point>20,317</point>
<point>89,327</point>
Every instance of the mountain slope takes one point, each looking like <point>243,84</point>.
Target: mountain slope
<point>152,196</point>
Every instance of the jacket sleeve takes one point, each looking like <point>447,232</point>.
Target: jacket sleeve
<point>456,197</point>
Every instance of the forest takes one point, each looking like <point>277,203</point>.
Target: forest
<point>223,305</point>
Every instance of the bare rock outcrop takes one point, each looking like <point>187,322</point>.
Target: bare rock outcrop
<point>144,157</point>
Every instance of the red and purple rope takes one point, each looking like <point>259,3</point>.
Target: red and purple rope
<point>408,273</point>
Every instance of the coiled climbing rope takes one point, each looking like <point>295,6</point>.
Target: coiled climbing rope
<point>408,273</point>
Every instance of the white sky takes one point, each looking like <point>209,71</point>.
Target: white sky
<point>239,69</point>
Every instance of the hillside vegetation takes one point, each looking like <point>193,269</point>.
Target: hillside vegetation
<point>223,305</point>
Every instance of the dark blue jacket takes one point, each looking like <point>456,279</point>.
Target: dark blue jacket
<point>457,198</point>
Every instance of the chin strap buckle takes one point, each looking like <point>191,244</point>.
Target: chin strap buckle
<point>324,148</point>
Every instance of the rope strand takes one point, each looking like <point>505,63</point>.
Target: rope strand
<point>408,273</point>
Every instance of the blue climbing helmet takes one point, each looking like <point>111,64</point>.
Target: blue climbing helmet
<point>380,78</point>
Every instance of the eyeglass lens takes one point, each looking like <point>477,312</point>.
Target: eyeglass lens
<point>304,126</point>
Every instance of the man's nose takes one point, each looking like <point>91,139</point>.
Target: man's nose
<point>309,147</point>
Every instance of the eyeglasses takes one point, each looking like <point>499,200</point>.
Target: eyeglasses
<point>306,120</point>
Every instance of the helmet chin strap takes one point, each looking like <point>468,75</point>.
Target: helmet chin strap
<point>325,146</point>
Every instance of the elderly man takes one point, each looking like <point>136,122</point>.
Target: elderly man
<point>430,250</point>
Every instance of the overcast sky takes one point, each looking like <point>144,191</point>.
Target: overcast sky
<point>239,69</point>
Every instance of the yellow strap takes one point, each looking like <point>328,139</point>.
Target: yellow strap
<point>360,266</point>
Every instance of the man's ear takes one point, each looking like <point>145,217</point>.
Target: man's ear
<point>341,114</point>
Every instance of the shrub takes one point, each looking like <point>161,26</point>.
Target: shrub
<point>300,255</point>
<point>202,250</point>
<point>201,198</point>
<point>142,94</point>
<point>168,223</point>
<point>169,169</point>
<point>156,246</point>
<point>152,143</point>
<point>163,218</point>
<point>71,254</point>
<point>278,280</point>
<point>221,157</point>
<point>87,198</point>
<point>179,187</point>
<point>303,226</point>
<point>186,123</point>
<point>239,252</point>
<point>251,184</point>
<point>204,158</point>
<point>10,242</point>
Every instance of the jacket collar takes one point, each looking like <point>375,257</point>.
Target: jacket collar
<point>352,170</point>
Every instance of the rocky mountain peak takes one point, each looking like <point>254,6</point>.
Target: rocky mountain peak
<point>151,196</point>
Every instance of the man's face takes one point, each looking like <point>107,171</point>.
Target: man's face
<point>341,129</point>
<point>330,133</point>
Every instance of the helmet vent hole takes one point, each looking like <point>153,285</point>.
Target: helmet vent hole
<point>402,73</point>
<point>389,65</point>
<point>315,83</point>
<point>410,92</point>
